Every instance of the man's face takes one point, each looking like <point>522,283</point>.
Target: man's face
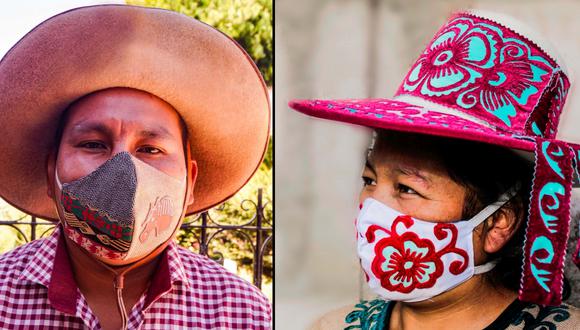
<point>111,121</point>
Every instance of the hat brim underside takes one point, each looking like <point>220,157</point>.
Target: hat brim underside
<point>206,76</point>
<point>401,116</point>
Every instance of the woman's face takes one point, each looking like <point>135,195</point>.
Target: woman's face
<point>407,178</point>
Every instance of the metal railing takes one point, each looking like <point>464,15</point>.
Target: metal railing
<point>255,231</point>
<point>205,228</point>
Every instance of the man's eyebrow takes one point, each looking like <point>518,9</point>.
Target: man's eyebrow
<point>412,171</point>
<point>149,132</point>
<point>156,132</point>
<point>87,127</point>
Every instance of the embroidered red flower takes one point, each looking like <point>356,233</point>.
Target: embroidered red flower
<point>406,262</point>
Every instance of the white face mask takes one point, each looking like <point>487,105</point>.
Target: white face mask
<point>410,260</point>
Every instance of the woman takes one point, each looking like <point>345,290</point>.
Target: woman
<point>457,229</point>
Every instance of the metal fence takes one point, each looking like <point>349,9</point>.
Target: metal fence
<point>202,231</point>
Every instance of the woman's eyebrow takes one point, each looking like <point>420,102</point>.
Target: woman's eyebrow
<point>369,164</point>
<point>412,171</point>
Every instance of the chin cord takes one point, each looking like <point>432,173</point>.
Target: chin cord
<point>119,282</point>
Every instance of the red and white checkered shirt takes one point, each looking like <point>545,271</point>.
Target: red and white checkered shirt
<point>38,291</point>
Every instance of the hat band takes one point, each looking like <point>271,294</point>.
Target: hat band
<point>548,223</point>
<point>421,102</point>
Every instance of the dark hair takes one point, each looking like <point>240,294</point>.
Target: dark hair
<point>486,171</point>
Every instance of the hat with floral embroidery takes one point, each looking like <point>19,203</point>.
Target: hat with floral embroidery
<point>486,77</point>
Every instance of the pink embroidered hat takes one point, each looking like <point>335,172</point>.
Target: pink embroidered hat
<point>491,80</point>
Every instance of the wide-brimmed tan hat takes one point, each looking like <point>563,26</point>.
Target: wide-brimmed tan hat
<point>206,76</point>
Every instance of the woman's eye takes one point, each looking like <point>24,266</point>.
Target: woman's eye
<point>149,150</point>
<point>403,189</point>
<point>368,181</point>
<point>92,145</point>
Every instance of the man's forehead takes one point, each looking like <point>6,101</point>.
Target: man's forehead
<point>137,127</point>
<point>135,109</point>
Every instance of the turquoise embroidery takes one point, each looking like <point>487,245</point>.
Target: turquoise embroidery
<point>537,74</point>
<point>553,165</point>
<point>541,243</point>
<point>447,71</point>
<point>547,317</point>
<point>372,315</point>
<point>552,189</point>
<point>368,315</point>
<point>443,58</point>
<point>500,106</point>
<point>477,61</point>
<point>500,79</point>
<point>536,129</point>
<point>466,100</point>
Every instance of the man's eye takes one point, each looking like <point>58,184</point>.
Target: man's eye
<point>149,150</point>
<point>92,145</point>
<point>403,189</point>
<point>368,181</point>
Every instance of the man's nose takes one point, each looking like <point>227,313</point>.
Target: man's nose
<point>119,147</point>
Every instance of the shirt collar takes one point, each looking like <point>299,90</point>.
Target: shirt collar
<point>40,265</point>
<point>50,267</point>
<point>169,271</point>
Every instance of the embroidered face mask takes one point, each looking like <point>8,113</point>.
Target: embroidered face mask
<point>123,210</point>
<point>407,259</point>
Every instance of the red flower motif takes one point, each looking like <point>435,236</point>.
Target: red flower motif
<point>406,262</point>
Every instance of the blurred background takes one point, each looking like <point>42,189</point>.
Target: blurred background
<point>237,234</point>
<point>358,49</point>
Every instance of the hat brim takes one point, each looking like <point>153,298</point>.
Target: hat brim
<point>406,117</point>
<point>206,76</point>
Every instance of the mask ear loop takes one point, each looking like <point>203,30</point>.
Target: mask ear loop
<point>482,216</point>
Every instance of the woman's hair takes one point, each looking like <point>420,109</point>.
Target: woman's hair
<point>486,171</point>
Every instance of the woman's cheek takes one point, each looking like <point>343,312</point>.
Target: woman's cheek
<point>363,195</point>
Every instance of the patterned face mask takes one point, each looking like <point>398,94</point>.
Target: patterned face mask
<point>410,260</point>
<point>123,210</point>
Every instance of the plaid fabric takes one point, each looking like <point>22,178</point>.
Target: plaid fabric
<point>188,291</point>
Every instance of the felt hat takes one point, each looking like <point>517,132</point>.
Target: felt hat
<point>487,77</point>
<point>205,75</point>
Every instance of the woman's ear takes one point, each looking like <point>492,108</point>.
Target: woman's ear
<point>500,229</point>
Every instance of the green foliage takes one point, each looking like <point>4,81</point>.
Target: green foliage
<point>16,235</point>
<point>249,22</point>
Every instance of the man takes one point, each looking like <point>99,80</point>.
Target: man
<point>119,121</point>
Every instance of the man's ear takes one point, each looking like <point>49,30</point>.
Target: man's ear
<point>501,228</point>
<point>50,174</point>
<point>191,178</point>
